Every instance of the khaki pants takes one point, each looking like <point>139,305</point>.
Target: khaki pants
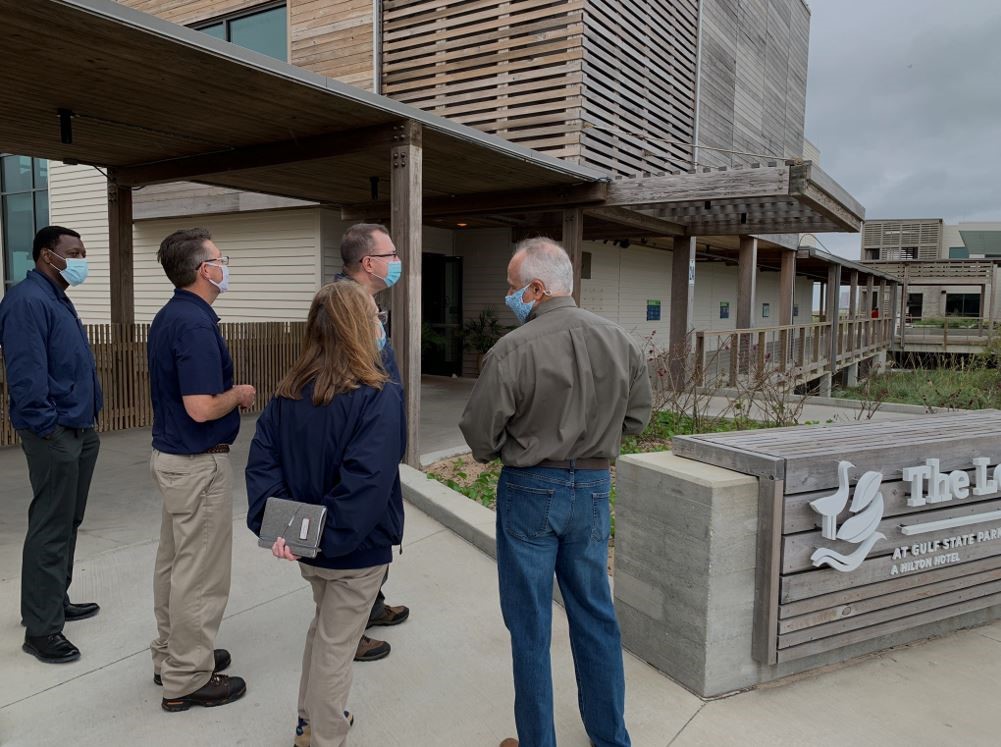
<point>193,565</point>
<point>343,601</point>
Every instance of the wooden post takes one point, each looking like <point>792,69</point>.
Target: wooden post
<point>120,252</point>
<point>573,242</point>
<point>833,300</point>
<point>787,299</point>
<point>682,306</point>
<point>406,157</point>
<point>851,342</point>
<point>823,302</point>
<point>747,270</point>
<point>869,285</point>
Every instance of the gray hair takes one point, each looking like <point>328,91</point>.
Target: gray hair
<point>182,253</point>
<point>547,261</point>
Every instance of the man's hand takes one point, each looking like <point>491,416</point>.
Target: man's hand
<point>280,549</point>
<point>245,394</point>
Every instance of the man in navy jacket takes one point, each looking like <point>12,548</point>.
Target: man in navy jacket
<point>55,396</point>
<point>369,258</point>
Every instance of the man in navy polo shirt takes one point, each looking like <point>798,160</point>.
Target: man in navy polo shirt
<point>54,400</point>
<point>195,420</point>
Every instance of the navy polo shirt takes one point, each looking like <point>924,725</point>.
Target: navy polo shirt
<point>187,355</point>
<point>51,374</point>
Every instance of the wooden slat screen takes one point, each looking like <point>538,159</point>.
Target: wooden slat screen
<point>262,352</point>
<point>510,68</point>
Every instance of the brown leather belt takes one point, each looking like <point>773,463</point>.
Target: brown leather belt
<point>594,463</point>
<point>218,449</point>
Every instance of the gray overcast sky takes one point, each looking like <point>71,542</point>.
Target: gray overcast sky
<point>904,103</point>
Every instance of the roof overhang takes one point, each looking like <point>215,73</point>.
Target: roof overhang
<point>788,198</point>
<point>816,263</point>
<point>159,102</point>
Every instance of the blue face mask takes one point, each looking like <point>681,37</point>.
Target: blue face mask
<point>395,269</point>
<point>520,307</point>
<point>380,341</point>
<point>75,271</point>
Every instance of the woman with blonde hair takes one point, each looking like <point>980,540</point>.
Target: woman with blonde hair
<point>334,435</point>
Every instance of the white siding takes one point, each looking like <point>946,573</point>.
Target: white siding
<point>78,199</point>
<point>274,265</point>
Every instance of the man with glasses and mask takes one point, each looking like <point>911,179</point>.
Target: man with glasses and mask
<point>370,259</point>
<point>195,420</point>
<point>54,400</point>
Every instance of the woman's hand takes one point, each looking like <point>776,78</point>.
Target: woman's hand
<point>280,550</point>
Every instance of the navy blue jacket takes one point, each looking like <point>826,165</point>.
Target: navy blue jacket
<point>345,455</point>
<point>51,372</point>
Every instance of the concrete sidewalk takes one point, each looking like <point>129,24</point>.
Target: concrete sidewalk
<point>448,680</point>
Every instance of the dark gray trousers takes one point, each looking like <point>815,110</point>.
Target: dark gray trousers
<point>60,469</point>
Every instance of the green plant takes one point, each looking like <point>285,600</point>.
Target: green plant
<point>482,333</point>
<point>431,341</point>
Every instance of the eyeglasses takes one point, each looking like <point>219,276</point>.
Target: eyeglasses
<point>383,316</point>
<point>223,260</point>
<point>391,254</point>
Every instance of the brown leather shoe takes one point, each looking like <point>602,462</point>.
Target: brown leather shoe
<point>390,616</point>
<point>370,649</point>
<point>219,690</point>
<point>509,742</point>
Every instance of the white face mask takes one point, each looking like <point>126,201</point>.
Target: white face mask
<point>222,285</point>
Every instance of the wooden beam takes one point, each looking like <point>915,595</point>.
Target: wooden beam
<point>747,272</point>
<point>573,243</point>
<point>637,220</point>
<point>406,227</point>
<point>656,190</point>
<point>682,308</point>
<point>787,288</point>
<point>120,252</point>
<point>530,200</point>
<point>258,156</point>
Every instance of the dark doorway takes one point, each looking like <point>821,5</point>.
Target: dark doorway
<point>441,305</point>
<point>915,305</point>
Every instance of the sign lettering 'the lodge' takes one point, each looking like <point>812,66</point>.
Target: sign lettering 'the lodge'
<point>927,485</point>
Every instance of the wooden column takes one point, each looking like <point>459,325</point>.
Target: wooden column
<point>787,287</point>
<point>682,306</point>
<point>120,253</point>
<point>406,160</point>
<point>853,309</point>
<point>823,302</point>
<point>833,300</point>
<point>869,289</point>
<point>573,242</point>
<point>747,273</point>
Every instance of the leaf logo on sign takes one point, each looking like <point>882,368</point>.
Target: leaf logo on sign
<point>859,529</point>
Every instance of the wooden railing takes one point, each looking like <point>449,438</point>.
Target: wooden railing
<point>262,352</point>
<point>939,333</point>
<point>802,351</point>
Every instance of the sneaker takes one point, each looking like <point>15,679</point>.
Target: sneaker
<point>370,649</point>
<point>390,616</point>
<point>302,730</point>
<point>222,660</point>
<point>219,690</point>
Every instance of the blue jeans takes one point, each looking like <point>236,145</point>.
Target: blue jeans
<point>557,520</point>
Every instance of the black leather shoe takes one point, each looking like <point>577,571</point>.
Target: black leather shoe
<point>51,649</point>
<point>219,690</point>
<point>222,661</point>
<point>81,611</point>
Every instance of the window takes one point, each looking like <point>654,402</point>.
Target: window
<point>263,29</point>
<point>585,266</point>
<point>962,304</point>
<point>24,208</point>
<point>908,252</point>
<point>915,305</point>
<point>959,252</point>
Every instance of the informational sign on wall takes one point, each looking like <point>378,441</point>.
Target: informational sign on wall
<point>652,310</point>
<point>724,309</point>
<point>691,272</point>
<point>766,310</point>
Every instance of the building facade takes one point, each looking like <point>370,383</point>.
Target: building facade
<point>629,88</point>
